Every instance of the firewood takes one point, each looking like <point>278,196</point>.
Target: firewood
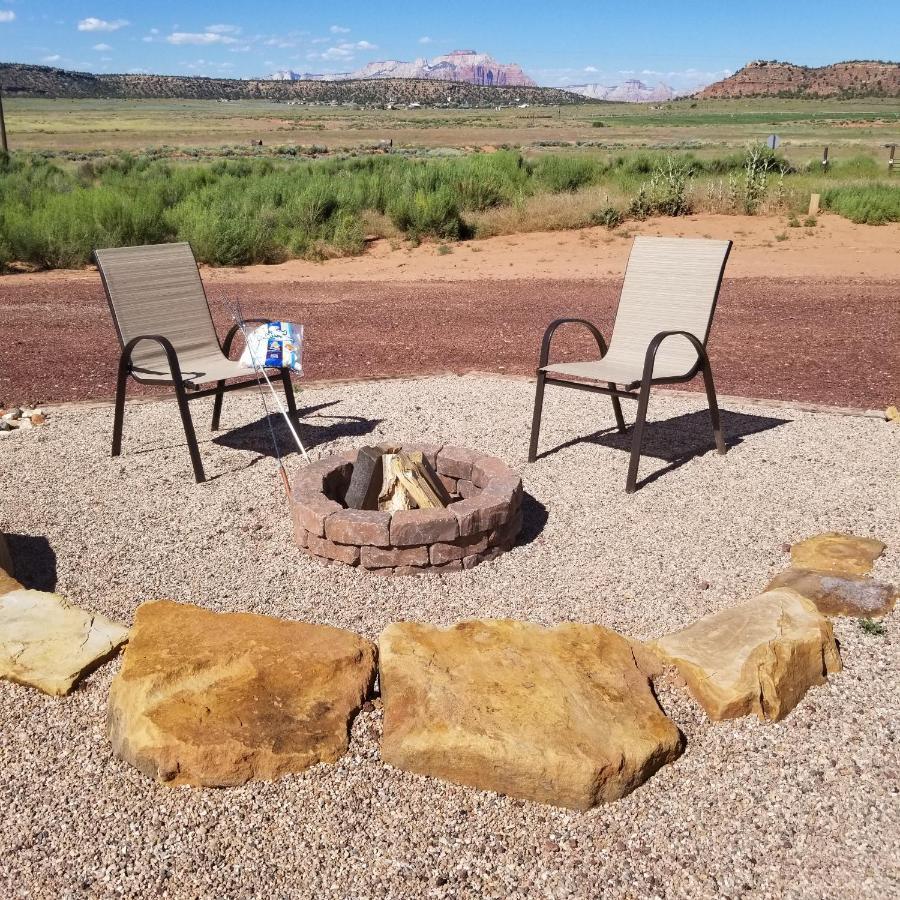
<point>394,496</point>
<point>365,482</point>
<point>428,473</point>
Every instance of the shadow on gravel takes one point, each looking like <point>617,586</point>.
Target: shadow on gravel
<point>534,518</point>
<point>34,561</point>
<point>314,431</point>
<point>680,439</point>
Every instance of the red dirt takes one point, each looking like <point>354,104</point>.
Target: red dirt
<point>830,342</point>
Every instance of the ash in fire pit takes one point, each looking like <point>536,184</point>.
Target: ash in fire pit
<point>407,509</point>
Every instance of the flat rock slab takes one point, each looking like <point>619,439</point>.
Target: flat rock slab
<point>48,643</point>
<point>558,715</point>
<point>836,596</point>
<point>837,554</point>
<point>759,657</point>
<point>217,699</point>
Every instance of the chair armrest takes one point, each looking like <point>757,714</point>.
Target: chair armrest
<point>229,338</point>
<point>165,343</point>
<point>654,345</point>
<point>551,330</point>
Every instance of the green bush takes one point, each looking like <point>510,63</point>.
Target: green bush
<point>874,204</point>
<point>565,173</point>
<point>608,216</point>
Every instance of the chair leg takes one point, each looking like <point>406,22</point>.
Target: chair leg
<point>639,420</point>
<point>189,433</point>
<point>536,418</point>
<point>289,396</point>
<point>119,414</point>
<point>714,409</point>
<point>617,411</point>
<point>217,405</point>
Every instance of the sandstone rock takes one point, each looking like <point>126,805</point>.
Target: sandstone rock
<point>556,715</point>
<point>759,657</point>
<point>835,596</point>
<point>48,643</point>
<point>837,554</point>
<point>209,698</point>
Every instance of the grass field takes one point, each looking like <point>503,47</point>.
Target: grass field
<point>705,126</point>
<point>107,173</point>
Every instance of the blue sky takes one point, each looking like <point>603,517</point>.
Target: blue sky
<point>683,44</point>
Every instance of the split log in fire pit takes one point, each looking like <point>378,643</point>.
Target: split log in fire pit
<point>387,478</point>
<point>407,510</point>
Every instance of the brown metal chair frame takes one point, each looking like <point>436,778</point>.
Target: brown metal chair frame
<point>185,389</point>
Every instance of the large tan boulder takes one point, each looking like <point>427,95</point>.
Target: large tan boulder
<point>835,553</point>
<point>48,643</point>
<point>759,657</point>
<point>217,699</point>
<point>833,595</point>
<point>558,715</point>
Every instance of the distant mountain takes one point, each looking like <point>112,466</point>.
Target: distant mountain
<point>631,91</point>
<point>46,81</point>
<point>460,65</point>
<point>770,78</point>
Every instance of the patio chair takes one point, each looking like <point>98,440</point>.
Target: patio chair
<point>659,335</point>
<point>167,334</point>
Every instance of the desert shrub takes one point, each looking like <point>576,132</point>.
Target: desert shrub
<point>422,214</point>
<point>565,173</point>
<point>874,204</point>
<point>608,216</point>
<point>666,193</point>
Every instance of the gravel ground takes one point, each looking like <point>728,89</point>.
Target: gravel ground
<point>825,341</point>
<point>807,808</point>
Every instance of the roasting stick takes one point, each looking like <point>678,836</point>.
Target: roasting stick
<point>238,317</point>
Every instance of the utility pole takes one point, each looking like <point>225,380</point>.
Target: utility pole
<point>3,145</point>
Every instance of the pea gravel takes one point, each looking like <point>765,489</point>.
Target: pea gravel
<point>807,808</point>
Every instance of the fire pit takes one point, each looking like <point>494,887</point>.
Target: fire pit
<point>481,520</point>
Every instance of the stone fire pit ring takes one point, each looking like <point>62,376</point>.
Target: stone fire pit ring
<point>481,523</point>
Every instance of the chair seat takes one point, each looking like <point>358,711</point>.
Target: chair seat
<point>199,370</point>
<point>622,372</point>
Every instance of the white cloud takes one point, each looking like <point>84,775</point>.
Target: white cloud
<point>94,24</point>
<point>339,29</point>
<point>203,38</point>
<point>426,40</point>
<point>591,69</point>
<point>223,29</point>
<point>54,57</point>
<point>7,15</point>
<point>344,51</point>
<point>102,47</point>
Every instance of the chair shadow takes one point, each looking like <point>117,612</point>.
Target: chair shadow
<point>262,435</point>
<point>678,440</point>
<point>34,561</point>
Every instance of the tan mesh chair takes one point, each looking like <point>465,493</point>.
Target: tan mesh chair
<point>167,335</point>
<point>659,335</point>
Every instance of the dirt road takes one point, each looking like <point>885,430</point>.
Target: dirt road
<point>829,341</point>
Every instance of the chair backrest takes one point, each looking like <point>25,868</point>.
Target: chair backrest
<point>156,289</point>
<point>671,284</point>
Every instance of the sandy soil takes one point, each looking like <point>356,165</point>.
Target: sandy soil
<point>805,809</point>
<point>835,248</point>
